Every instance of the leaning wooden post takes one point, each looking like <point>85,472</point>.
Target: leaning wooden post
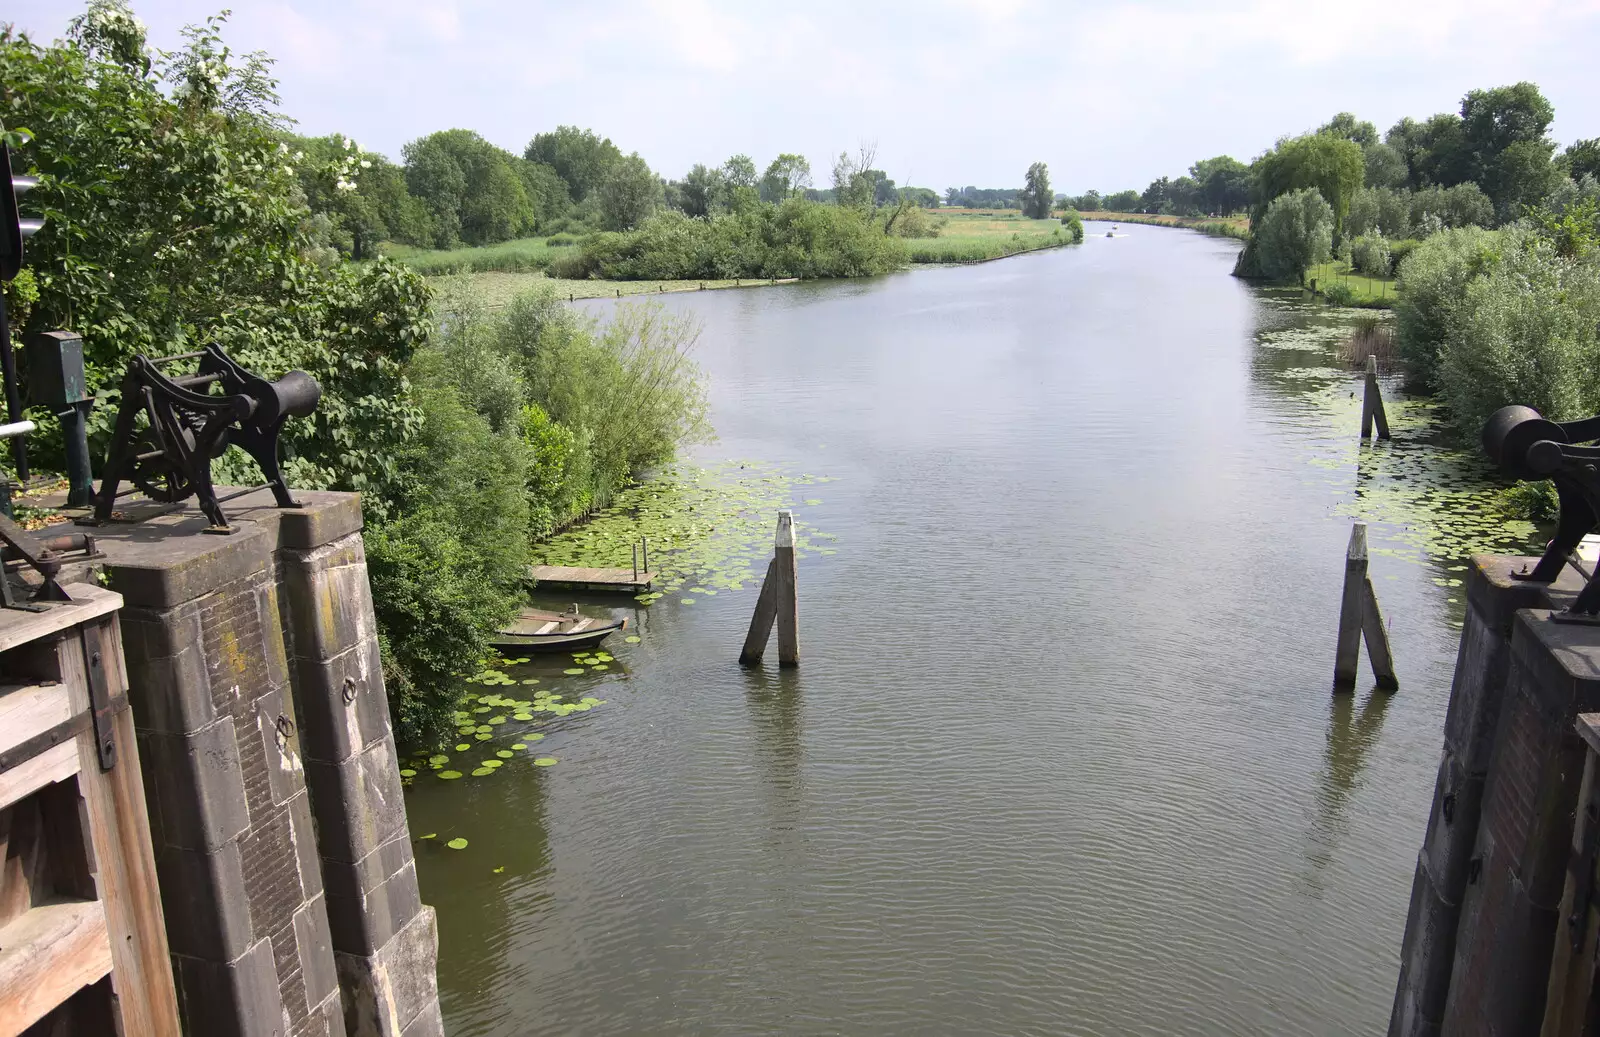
<point>1347,656</point>
<point>1360,619</point>
<point>788,607</point>
<point>776,604</point>
<point>1372,403</point>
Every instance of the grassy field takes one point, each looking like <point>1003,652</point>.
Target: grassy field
<point>976,235</point>
<point>1225,227</point>
<point>524,254</point>
<point>1374,292</point>
<point>499,287</point>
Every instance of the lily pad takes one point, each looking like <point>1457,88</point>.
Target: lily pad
<point>478,772</point>
<point>519,745</point>
<point>406,772</point>
<point>505,754</point>
<point>545,761</point>
<point>457,843</point>
<point>449,775</point>
<point>574,672</point>
<point>632,639</point>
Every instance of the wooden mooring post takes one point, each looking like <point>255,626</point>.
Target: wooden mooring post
<point>777,603</point>
<point>1360,619</point>
<point>1372,403</point>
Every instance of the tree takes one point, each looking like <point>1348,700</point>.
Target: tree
<point>1294,234</point>
<point>473,189</point>
<point>1088,201</point>
<point>1521,176</point>
<point>1037,197</point>
<point>1333,166</point>
<point>629,194</point>
<point>1346,126</point>
<point>1224,184</point>
<point>1582,158</point>
<point>1505,141</point>
<point>1122,201</point>
<point>1434,151</point>
<point>740,171</point>
<point>1384,166</point>
<point>786,175</point>
<point>702,187</point>
<point>853,183</point>
<point>579,157</point>
<point>1156,196</point>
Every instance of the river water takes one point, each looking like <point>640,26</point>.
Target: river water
<point>1062,756</point>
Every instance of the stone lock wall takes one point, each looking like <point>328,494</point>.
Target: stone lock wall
<point>1471,728</point>
<point>272,783</point>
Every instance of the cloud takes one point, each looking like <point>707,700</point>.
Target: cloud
<point>954,91</point>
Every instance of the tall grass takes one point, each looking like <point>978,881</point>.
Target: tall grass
<point>1371,336</point>
<point>523,254</point>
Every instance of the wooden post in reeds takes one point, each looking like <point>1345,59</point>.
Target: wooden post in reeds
<point>1360,619</point>
<point>1372,403</point>
<point>776,604</point>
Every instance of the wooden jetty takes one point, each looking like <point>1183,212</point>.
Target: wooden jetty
<point>631,581</point>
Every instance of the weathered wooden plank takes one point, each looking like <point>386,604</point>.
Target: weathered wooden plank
<point>124,856</point>
<point>46,956</point>
<point>591,578</point>
<point>88,602</point>
<point>766,613</point>
<point>57,763</point>
<point>1348,651</point>
<point>788,605</point>
<point>1376,636</point>
<point>29,710</point>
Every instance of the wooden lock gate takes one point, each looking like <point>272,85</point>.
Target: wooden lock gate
<point>83,948</point>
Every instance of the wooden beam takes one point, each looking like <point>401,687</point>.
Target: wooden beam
<point>1348,650</point>
<point>1376,637</point>
<point>766,613</point>
<point>788,605</point>
<point>46,956</point>
<point>1372,403</point>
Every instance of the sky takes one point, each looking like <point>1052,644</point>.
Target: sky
<point>952,92</point>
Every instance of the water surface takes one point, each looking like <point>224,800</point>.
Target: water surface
<point>1062,756</point>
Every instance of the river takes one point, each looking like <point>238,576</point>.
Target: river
<point>1062,755</point>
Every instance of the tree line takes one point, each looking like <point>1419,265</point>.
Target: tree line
<point>455,188</point>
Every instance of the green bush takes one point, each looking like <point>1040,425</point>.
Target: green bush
<point>1369,254</point>
<point>796,238</point>
<point>1398,251</point>
<point>1531,502</point>
<point>1338,293</point>
<point>1295,234</point>
<point>1525,332</point>
<point>1074,224</point>
<point>1432,285</point>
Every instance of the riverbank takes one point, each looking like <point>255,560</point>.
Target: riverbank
<point>497,288</point>
<point>1224,227</point>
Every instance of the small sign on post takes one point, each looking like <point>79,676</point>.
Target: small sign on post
<point>776,604</point>
<point>1360,619</point>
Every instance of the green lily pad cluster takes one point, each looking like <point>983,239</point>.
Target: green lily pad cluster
<point>709,528</point>
<point>1426,498</point>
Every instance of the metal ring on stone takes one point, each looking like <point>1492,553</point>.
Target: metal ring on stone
<point>285,728</point>
<point>352,688</point>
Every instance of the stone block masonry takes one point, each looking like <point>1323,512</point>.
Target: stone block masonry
<point>1445,865</point>
<point>272,780</point>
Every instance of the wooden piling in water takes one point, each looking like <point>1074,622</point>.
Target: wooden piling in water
<point>1360,619</point>
<point>1372,403</point>
<point>777,603</point>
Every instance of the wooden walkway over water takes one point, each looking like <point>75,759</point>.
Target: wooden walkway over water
<point>631,581</point>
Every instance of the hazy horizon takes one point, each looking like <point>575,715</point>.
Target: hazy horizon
<point>953,93</point>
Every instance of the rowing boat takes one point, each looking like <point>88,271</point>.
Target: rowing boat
<point>536,630</point>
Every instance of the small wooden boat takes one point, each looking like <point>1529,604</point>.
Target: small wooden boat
<point>535,630</point>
